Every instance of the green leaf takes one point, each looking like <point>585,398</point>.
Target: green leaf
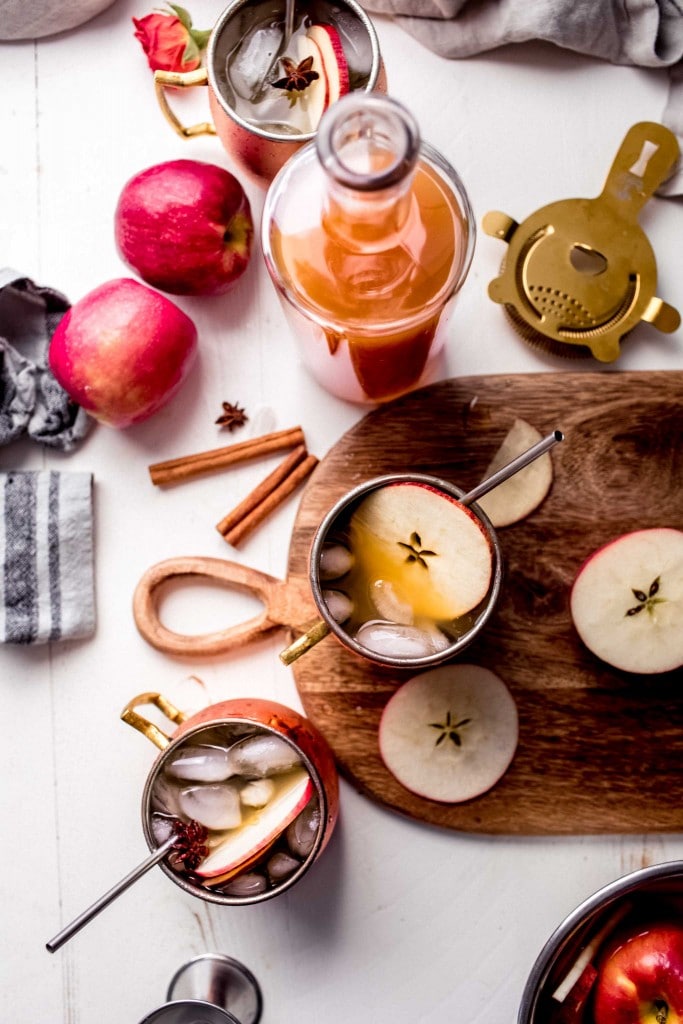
<point>201,37</point>
<point>182,15</point>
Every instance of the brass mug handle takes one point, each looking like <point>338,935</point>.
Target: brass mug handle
<point>313,634</point>
<point>157,736</point>
<point>181,79</point>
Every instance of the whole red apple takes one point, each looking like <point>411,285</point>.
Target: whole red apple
<point>122,351</point>
<point>185,227</point>
<point>640,978</point>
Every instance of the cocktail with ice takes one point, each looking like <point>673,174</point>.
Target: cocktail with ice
<point>273,67</point>
<point>403,573</point>
<point>257,784</point>
<point>281,76</point>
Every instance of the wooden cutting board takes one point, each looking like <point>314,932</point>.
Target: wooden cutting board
<point>599,751</point>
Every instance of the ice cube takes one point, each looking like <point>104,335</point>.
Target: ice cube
<point>165,796</point>
<point>338,605</point>
<point>389,605</point>
<point>280,866</point>
<point>250,884</point>
<point>390,639</point>
<point>355,42</point>
<point>335,561</point>
<point>262,755</point>
<point>217,806</point>
<point>253,59</point>
<point>257,793</point>
<point>200,764</point>
<point>301,833</point>
<point>162,827</point>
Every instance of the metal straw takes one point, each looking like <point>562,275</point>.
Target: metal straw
<point>512,467</point>
<point>66,933</point>
<point>289,20</point>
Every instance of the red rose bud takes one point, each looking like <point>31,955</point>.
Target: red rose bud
<point>169,41</point>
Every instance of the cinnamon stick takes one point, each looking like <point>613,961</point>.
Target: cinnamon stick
<point>188,466</point>
<point>262,490</point>
<point>261,507</point>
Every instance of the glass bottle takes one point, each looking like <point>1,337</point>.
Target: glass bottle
<point>368,236</point>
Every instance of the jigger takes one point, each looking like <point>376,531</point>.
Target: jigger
<point>211,988</point>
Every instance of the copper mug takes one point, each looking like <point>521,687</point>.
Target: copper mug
<point>255,150</point>
<point>242,716</point>
<point>329,624</point>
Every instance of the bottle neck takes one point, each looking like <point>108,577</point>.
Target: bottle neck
<point>368,147</point>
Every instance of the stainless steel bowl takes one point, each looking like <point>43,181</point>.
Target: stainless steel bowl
<point>568,939</point>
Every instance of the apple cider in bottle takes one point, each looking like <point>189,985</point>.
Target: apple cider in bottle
<point>368,236</point>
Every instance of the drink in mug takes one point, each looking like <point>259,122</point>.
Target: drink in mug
<point>406,574</point>
<point>252,793</point>
<point>280,81</point>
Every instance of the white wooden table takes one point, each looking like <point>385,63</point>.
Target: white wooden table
<point>397,922</point>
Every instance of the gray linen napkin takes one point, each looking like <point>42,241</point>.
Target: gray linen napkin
<point>646,33</point>
<point>46,557</point>
<point>31,400</point>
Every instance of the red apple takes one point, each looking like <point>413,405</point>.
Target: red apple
<point>185,227</point>
<point>122,351</point>
<point>640,978</point>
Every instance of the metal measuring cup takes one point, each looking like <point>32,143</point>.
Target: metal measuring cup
<point>211,988</point>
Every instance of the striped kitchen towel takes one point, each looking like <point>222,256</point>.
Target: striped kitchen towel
<point>46,557</point>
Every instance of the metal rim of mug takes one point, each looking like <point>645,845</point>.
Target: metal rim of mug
<point>231,964</point>
<point>209,895</point>
<point>196,1005</point>
<point>228,14</point>
<point>599,900</point>
<point>321,535</point>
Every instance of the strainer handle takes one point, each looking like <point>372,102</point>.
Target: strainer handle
<point>644,160</point>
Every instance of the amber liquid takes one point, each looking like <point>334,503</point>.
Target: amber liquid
<point>383,300</point>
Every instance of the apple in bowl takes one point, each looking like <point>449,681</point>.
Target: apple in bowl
<point>640,977</point>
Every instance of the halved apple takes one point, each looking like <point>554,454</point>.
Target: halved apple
<point>519,495</point>
<point>627,601</point>
<point>430,552</point>
<point>449,734</point>
<point>244,844</point>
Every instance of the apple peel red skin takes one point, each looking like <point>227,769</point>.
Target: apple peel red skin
<point>638,971</point>
<point>185,227</point>
<point>122,351</point>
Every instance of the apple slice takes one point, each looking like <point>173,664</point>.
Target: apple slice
<point>242,846</point>
<point>449,734</point>
<point>336,67</point>
<point>522,493</point>
<point>314,98</point>
<point>627,601</point>
<point>573,1008</point>
<point>433,551</point>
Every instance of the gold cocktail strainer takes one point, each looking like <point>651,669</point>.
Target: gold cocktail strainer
<point>579,274</point>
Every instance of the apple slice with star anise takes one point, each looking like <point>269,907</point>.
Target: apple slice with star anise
<point>449,734</point>
<point>627,601</point>
<point>431,550</point>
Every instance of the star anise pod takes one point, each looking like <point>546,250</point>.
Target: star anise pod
<point>297,76</point>
<point>232,416</point>
<point>190,846</point>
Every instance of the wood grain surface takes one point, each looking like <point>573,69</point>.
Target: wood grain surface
<point>600,751</point>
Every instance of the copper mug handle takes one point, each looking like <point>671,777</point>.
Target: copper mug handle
<point>182,80</point>
<point>153,733</point>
